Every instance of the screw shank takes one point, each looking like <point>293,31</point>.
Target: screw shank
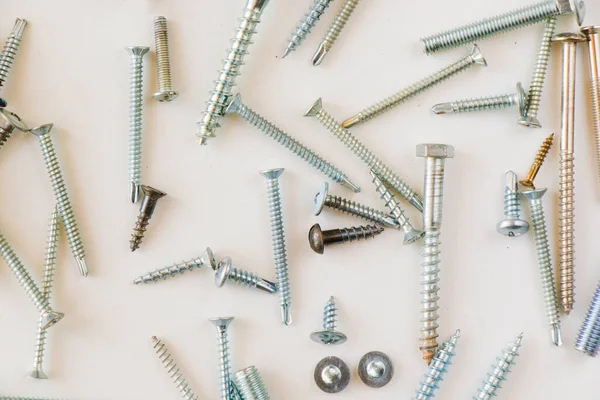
<point>433,192</point>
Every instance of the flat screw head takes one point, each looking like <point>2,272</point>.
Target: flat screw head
<point>223,271</point>
<point>42,130</point>
<point>167,95</point>
<point>530,122</point>
<point>534,194</point>
<point>221,322</point>
<point>234,105</point>
<point>272,173</point>
<point>315,108</point>
<point>320,198</point>
<point>137,50</point>
<point>151,192</point>
<point>208,259</point>
<point>435,150</point>
<point>477,56</point>
<point>315,238</point>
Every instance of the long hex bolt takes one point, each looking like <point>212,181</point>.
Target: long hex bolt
<point>220,95</point>
<point>588,340</point>
<point>318,239</point>
<point>250,384</point>
<point>311,157</point>
<point>305,26</point>
<point>226,272</point>
<point>475,58</point>
<point>334,31</point>
<point>163,62</point>
<point>175,373</point>
<point>279,248</point>
<point>8,123</point>
<point>224,357</point>
<point>147,206</point>
<point>9,52</point>
<point>538,220</point>
<point>206,260</point>
<point>538,162</point>
<point>329,335</point>
<point>365,154</point>
<point>592,34</point>
<point>512,225</point>
<point>503,23</point>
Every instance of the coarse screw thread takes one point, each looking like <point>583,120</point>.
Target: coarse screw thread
<point>207,259</point>
<point>334,31</point>
<point>308,22</point>
<point>147,206</point>
<point>592,34</point>
<point>163,62</point>
<point>167,360</point>
<point>241,277</point>
<point>512,204</point>
<point>358,233</point>
<point>588,340</point>
<point>250,384</point>
<point>330,315</point>
<point>224,358</point>
<point>538,162</point>
<point>9,52</point>
<point>517,99</point>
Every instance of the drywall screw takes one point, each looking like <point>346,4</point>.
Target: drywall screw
<point>279,248</point>
<point>207,259</point>
<point>9,52</point>
<point>592,34</point>
<point>250,384</point>
<point>503,23</point>
<point>319,239</point>
<point>136,104</point>
<point>224,357</point>
<point>537,163</point>
<point>220,95</point>
<point>308,22</point>
<point>62,196</point>
<point>226,272</point>
<point>311,157</point>
<point>167,360</point>
<point>475,58</point>
<point>49,316</point>
<point>375,369</point>
<point>48,281</point>
<point>410,233</point>
<point>364,154</point>
<point>438,368</point>
<point>500,370</point>
<point>329,335</point>
<point>150,197</point>
<point>8,123</point>
<point>435,156</point>
<point>588,340</point>
<point>334,31</point>
<point>538,220</point>
<point>163,62</point>
<point>512,225</point>
<point>539,75</point>
<point>332,375</point>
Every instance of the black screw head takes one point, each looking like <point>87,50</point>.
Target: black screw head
<point>315,239</point>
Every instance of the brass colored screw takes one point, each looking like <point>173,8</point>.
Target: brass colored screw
<point>537,163</point>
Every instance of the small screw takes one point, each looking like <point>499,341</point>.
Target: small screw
<point>588,340</point>
<point>163,67</point>
<point>223,351</point>
<point>150,197</point>
<point>319,239</point>
<point>250,384</point>
<point>512,225</point>
<point>207,259</point>
<point>375,369</point>
<point>10,49</point>
<point>306,25</point>
<point>332,375</point>
<point>328,335</point>
<point>592,34</point>
<point>225,272</point>
<point>166,359</point>
<point>438,368</point>
<point>334,31</point>
<point>537,163</point>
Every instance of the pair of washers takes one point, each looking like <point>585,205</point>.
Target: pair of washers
<point>375,369</point>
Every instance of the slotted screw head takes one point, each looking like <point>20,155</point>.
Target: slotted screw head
<point>375,369</point>
<point>332,375</point>
<point>320,198</point>
<point>223,271</point>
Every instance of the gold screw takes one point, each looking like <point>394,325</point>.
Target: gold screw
<point>537,163</point>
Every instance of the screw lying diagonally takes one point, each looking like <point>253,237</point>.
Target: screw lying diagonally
<point>592,34</point>
<point>169,363</point>
<point>250,384</point>
<point>226,272</point>
<point>206,260</point>
<point>334,31</point>
<point>224,357</point>
<point>305,26</point>
<point>318,239</point>
<point>11,47</point>
<point>163,62</point>
<point>588,340</point>
<point>329,335</point>
<point>147,206</point>
<point>512,225</point>
<point>8,123</point>
<point>538,162</point>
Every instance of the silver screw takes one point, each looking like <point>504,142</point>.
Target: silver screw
<point>328,335</point>
<point>334,31</point>
<point>410,233</point>
<point>503,23</point>
<point>8,123</point>
<point>332,375</point>
<point>207,259</point>
<point>250,384</point>
<point>375,369</point>
<point>512,225</point>
<point>311,157</point>
<point>588,340</point>
<point>435,156</point>
<point>147,206</point>
<point>592,34</point>
<point>136,103</point>
<point>10,49</point>
<point>545,262</point>
<point>217,103</point>
<point>163,63</point>
<point>223,350</point>
<point>308,22</point>
<point>364,154</point>
<point>167,360</point>
<point>226,272</point>
<point>500,370</point>
<point>475,58</point>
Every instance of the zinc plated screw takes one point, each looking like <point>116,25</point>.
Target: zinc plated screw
<point>250,384</point>
<point>537,163</point>
<point>319,239</point>
<point>311,157</point>
<point>169,363</point>
<point>308,22</point>
<point>207,259</point>
<point>435,156</point>
<point>592,34</point>
<point>503,23</point>
<point>150,197</point>
<point>10,49</point>
<point>328,335</point>
<point>475,58</point>
<point>364,154</point>
<point>538,220</point>
<point>512,225</point>
<point>375,369</point>
<point>588,340</point>
<point>8,123</point>
<point>334,31</point>
<point>332,375</point>
<point>226,272</point>
<point>220,95</point>
<point>163,62</point>
<point>224,357</point>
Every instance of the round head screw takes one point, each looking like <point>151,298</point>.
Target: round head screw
<point>223,271</point>
<point>272,173</point>
<point>431,150</point>
<point>375,369</point>
<point>137,50</point>
<point>328,337</point>
<point>512,227</point>
<point>320,198</point>
<point>315,238</point>
<point>568,37</point>
<point>167,95</point>
<point>332,375</point>
<point>9,118</point>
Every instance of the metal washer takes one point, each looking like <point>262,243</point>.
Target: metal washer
<point>332,384</point>
<point>366,373</point>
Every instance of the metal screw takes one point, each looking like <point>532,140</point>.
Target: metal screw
<point>311,157</point>
<point>332,375</point>
<point>319,239</point>
<point>207,259</point>
<point>545,262</point>
<point>334,31</point>
<point>364,154</point>
<point>537,163</point>
<point>375,369</point>
<point>150,197</point>
<point>306,25</point>
<point>512,225</point>
<point>475,58</point>
<point>328,335</point>
<point>592,34</point>
<point>167,360</point>
<point>8,123</point>
<point>435,155</point>
<point>163,63</point>
<point>503,23</point>
<point>217,103</point>
<point>223,351</point>
<point>10,49</point>
<point>588,340</point>
<point>226,272</point>
<point>251,385</point>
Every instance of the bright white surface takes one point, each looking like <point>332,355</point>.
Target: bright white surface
<point>72,70</point>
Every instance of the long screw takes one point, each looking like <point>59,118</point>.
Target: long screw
<point>334,31</point>
<point>319,239</point>
<point>502,23</point>
<point>163,62</point>
<point>592,34</point>
<point>149,200</point>
<point>217,103</point>
<point>224,357</point>
<point>251,385</point>
<point>167,360</point>
<point>311,157</point>
<point>11,47</point>
<point>305,26</point>
<point>512,225</point>
<point>500,371</point>
<point>329,335</point>
<point>279,247</point>
<point>538,162</point>
<point>475,58</point>
<point>206,260</point>
<point>226,272</point>
<point>435,157</point>
<point>364,154</point>
<point>588,340</point>
<point>8,123</point>
<point>538,220</point>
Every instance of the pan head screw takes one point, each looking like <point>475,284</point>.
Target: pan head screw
<point>375,369</point>
<point>512,225</point>
<point>332,375</point>
<point>328,335</point>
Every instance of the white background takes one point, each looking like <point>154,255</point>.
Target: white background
<point>72,70</point>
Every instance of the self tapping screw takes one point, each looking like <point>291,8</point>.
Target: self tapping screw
<point>329,335</point>
<point>150,197</point>
<point>475,58</point>
<point>588,340</point>
<point>8,123</point>
<point>319,239</point>
<point>364,154</point>
<point>332,375</point>
<point>220,95</point>
<point>512,225</point>
<point>308,22</point>
<point>206,260</point>
<point>226,272</point>
<point>163,62</point>
<point>175,373</point>
<point>538,220</point>
<point>592,34</point>
<point>250,384</point>
<point>334,31</point>
<point>311,157</point>
<point>375,369</point>
<point>538,162</point>
<point>500,371</point>
<point>11,47</point>
<point>503,23</point>
<point>224,358</point>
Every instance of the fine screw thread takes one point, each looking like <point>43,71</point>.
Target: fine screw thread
<point>361,211</point>
<point>567,230</point>
<point>500,371</point>
<point>224,362</point>
<point>170,271</point>
<point>392,204</point>
<point>588,340</point>
<point>538,162</point>
<point>338,24</point>
<point>163,63</point>
<point>250,384</point>
<point>139,231</point>
<point>330,315</point>
<point>9,52</point>
<point>359,233</point>
<point>166,359</point>
<point>595,92</point>
<point>308,22</point>
<point>136,102</point>
<point>482,103</point>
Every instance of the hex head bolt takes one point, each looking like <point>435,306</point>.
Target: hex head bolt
<point>250,384</point>
<point>438,368</point>
<point>220,95</point>
<point>226,272</point>
<point>224,357</point>
<point>512,225</point>
<point>592,34</point>
<point>168,362</point>
<point>475,58</point>
<point>150,197</point>
<point>8,123</point>
<point>538,162</point>
<point>329,335</point>
<point>305,26</point>
<point>332,375</point>
<point>503,23</point>
<point>375,369</point>
<point>538,221</point>
<point>435,156</point>
<point>319,239</point>
<point>11,46</point>
<point>163,62</point>
<point>339,23</point>
<point>588,340</point>
<point>206,260</point>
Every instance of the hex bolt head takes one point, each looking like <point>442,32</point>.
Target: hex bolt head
<point>332,375</point>
<point>435,150</point>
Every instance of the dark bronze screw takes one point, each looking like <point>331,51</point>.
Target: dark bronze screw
<point>149,200</point>
<point>318,238</point>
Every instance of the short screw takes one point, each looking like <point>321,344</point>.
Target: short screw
<point>538,162</point>
<point>224,357</point>
<point>375,369</point>
<point>328,335</point>
<point>8,123</point>
<point>166,359</point>
<point>512,225</point>
<point>592,34</point>
<point>332,375</point>
<point>334,31</point>
<point>163,67</point>
<point>10,49</point>
<point>475,58</point>
<point>306,25</point>
<point>250,384</point>
<point>150,197</point>
<point>207,259</point>
<point>588,340</point>
<point>319,239</point>
<point>503,23</point>
<point>226,272</point>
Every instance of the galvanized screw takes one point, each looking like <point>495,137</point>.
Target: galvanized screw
<point>207,259</point>
<point>592,34</point>
<point>537,163</point>
<point>166,359</point>
<point>588,340</point>
<point>375,369</point>
<point>223,351</point>
<point>328,335</point>
<point>150,197</point>
<point>306,25</point>
<point>319,239</point>
<point>10,49</point>
<point>512,225</point>
<point>226,272</point>
<point>250,384</point>
<point>332,375</point>
<point>8,123</point>
<point>163,63</point>
<point>334,31</point>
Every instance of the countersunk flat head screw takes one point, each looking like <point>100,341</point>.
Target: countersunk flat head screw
<point>329,335</point>
<point>175,373</point>
<point>306,25</point>
<point>150,197</point>
<point>163,62</point>
<point>438,368</point>
<point>11,46</point>
<point>538,162</point>
<point>224,357</point>
<point>334,31</point>
<point>592,34</point>
<point>588,340</point>
<point>375,369</point>
<point>319,239</point>
<point>8,123</point>
<point>207,259</point>
<point>332,375</point>
<point>225,271</point>
<point>512,225</point>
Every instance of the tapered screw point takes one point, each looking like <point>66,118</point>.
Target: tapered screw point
<point>320,54</point>
<point>137,50</point>
<point>267,286</point>
<point>530,122</point>
<point>351,185</point>
<point>19,27</point>
<point>82,265</point>
<point>287,51</point>
<point>38,374</point>
<point>350,122</point>
<point>272,173</point>
<point>315,239</point>
<point>51,318</point>
<point>556,335</point>
<point>234,105</point>
<point>134,192</point>
<point>257,5</point>
<point>442,108</point>
<point>223,271</point>
<point>42,130</point>
<point>286,314</point>
<point>168,95</point>
<point>477,56</point>
<point>315,108</point>
<point>221,322</point>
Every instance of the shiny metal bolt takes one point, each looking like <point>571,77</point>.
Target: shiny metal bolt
<point>375,369</point>
<point>11,46</point>
<point>250,384</point>
<point>329,335</point>
<point>592,34</point>
<point>150,197</point>
<point>588,340</point>
<point>163,62</point>
<point>334,31</point>
<point>175,373</point>
<point>512,225</point>
<point>305,26</point>
<point>206,260</point>
<point>332,375</point>
<point>224,357</point>
<point>8,123</point>
<point>538,162</point>
<point>226,272</point>
<point>319,239</point>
